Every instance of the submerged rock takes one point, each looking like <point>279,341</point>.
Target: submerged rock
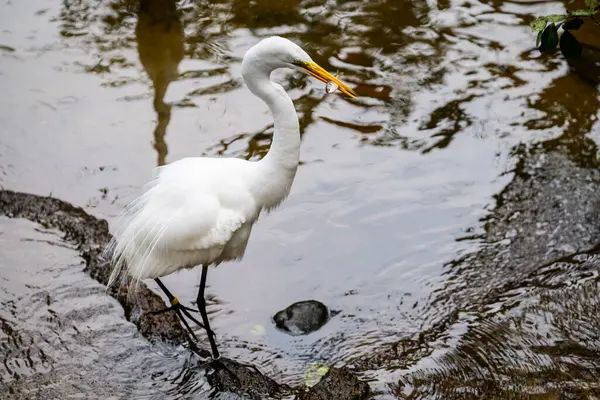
<point>303,317</point>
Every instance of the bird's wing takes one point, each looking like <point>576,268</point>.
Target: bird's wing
<point>187,221</point>
<point>206,208</point>
<point>202,223</point>
<point>154,236</point>
<point>181,210</point>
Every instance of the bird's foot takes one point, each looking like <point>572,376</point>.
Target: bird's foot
<point>218,364</point>
<point>215,362</point>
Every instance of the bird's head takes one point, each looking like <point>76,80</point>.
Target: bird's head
<point>276,52</point>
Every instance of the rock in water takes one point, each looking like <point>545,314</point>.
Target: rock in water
<point>338,384</point>
<point>303,317</point>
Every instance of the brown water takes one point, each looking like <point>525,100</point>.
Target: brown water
<point>394,185</point>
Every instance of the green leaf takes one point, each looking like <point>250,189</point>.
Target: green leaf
<point>573,24</point>
<point>581,13</point>
<point>549,39</point>
<point>540,22</point>
<point>538,39</point>
<point>569,46</point>
<point>591,4</point>
<point>555,17</point>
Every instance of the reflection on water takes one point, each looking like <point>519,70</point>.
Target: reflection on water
<point>159,38</point>
<point>413,211</point>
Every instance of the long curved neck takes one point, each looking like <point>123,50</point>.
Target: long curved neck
<point>285,146</point>
<point>278,167</point>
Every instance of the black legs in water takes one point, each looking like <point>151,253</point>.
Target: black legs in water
<point>182,310</point>
<point>201,303</point>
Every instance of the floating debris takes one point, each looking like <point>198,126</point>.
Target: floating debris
<point>258,330</point>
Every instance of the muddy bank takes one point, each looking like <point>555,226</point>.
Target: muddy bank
<point>90,235</point>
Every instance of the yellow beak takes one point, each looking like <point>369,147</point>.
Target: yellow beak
<point>321,74</point>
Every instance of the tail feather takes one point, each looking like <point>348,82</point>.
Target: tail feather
<point>132,223</point>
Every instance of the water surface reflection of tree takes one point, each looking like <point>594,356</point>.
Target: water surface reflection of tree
<point>159,36</point>
<point>341,35</point>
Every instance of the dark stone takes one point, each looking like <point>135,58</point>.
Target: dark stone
<point>302,317</point>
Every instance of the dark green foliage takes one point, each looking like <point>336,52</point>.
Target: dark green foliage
<point>547,27</point>
<point>549,38</point>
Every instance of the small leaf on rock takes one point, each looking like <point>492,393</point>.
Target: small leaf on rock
<point>549,39</point>
<point>569,45</point>
<point>314,374</point>
<point>573,25</point>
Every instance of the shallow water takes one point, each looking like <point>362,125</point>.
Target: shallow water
<point>394,186</point>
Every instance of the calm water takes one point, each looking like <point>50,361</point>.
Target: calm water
<point>97,93</point>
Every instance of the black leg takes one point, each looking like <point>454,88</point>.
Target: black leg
<point>201,303</point>
<point>179,309</point>
<point>216,361</point>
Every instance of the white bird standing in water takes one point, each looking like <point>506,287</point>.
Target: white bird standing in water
<point>200,210</point>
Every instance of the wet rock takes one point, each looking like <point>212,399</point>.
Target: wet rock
<point>250,383</point>
<point>536,271</point>
<point>338,383</point>
<point>548,211</point>
<point>303,317</point>
<point>91,236</point>
<point>538,236</point>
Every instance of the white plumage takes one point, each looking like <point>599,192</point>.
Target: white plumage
<point>200,211</point>
<point>195,211</point>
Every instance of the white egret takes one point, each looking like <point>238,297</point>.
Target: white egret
<point>200,210</point>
